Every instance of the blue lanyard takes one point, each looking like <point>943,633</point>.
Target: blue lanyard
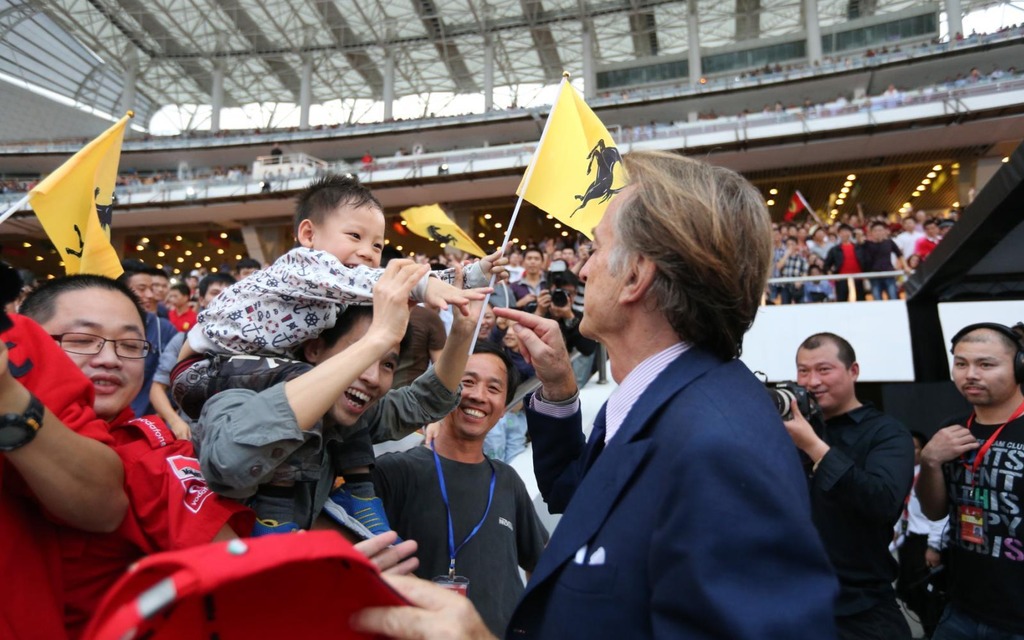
<point>452,549</point>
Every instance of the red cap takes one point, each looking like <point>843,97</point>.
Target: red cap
<point>295,585</point>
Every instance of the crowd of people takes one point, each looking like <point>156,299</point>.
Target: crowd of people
<point>260,418</point>
<point>852,246</point>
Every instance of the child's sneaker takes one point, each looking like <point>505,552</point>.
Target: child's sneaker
<point>369,512</point>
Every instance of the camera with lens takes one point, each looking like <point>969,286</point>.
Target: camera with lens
<point>530,307</point>
<point>784,393</point>
<point>559,298</point>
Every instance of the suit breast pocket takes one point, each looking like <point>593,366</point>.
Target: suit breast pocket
<point>589,579</point>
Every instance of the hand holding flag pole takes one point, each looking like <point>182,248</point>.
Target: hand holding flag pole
<point>575,170</point>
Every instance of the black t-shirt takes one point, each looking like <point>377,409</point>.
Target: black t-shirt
<point>877,256</point>
<point>987,580</point>
<point>511,537</point>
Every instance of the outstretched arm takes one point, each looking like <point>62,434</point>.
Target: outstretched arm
<point>75,478</point>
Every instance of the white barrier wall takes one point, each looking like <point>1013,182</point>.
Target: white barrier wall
<point>957,315</point>
<point>878,331</point>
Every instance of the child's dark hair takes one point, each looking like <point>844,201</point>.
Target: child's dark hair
<point>328,193</point>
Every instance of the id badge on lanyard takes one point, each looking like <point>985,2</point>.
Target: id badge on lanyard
<point>970,513</point>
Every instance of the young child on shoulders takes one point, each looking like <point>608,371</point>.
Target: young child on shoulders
<point>339,229</point>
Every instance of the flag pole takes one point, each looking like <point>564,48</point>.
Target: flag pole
<point>17,205</point>
<point>515,211</point>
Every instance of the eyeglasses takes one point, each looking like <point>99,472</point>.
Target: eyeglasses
<point>86,344</point>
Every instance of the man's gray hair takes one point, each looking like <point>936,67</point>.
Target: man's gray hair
<point>708,232</point>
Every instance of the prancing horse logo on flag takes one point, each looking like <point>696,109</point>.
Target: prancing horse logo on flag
<point>437,236</point>
<point>601,187</point>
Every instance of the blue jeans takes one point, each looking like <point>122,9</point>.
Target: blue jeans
<point>890,288</point>
<point>957,625</point>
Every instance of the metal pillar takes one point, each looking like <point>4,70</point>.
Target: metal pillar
<point>954,19</point>
<point>305,92</point>
<point>389,86</point>
<point>217,96</point>
<point>813,31</point>
<point>589,77</point>
<point>488,73</point>
<point>131,72</point>
<point>693,44</point>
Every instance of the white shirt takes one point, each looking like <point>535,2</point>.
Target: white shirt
<point>625,395</point>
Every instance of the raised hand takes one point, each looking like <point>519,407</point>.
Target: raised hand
<point>391,297</point>
<point>541,343</point>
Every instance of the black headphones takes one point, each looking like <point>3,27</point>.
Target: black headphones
<point>1011,333</point>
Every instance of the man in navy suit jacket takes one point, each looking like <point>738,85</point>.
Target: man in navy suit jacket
<point>686,515</point>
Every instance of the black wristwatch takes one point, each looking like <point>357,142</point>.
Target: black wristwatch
<point>18,429</point>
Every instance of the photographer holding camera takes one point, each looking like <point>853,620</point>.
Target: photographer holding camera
<point>556,302</point>
<point>863,468</point>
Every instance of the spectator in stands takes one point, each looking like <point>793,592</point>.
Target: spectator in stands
<point>515,266</point>
<point>532,282</point>
<point>57,475</point>
<point>245,267</point>
<point>970,471</point>
<point>863,467</point>
<point>945,226</point>
<point>844,259</point>
<point>877,256</point>
<point>486,323</point>
<point>436,496</point>
<point>192,280</point>
<point>510,342</point>
<point>161,285</point>
<point>180,312</point>
<point>778,255</point>
<point>931,239</point>
<point>159,331</point>
<point>791,265</point>
<point>907,240</point>
<point>818,290</point>
<point>170,506</point>
<point>819,243</point>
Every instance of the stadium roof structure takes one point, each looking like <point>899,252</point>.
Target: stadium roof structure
<point>168,52</point>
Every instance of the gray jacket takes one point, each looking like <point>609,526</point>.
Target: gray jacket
<point>250,444</point>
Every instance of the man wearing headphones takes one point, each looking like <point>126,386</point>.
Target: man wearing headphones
<point>972,471</point>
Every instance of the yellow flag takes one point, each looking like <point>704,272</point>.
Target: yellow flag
<point>71,201</point>
<point>432,223</point>
<point>576,168</point>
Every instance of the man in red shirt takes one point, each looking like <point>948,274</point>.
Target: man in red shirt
<point>100,326</point>
<point>181,314</point>
<point>55,473</point>
<point>843,259</point>
<point>930,240</point>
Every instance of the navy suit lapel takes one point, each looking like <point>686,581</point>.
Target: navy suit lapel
<point>610,470</point>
